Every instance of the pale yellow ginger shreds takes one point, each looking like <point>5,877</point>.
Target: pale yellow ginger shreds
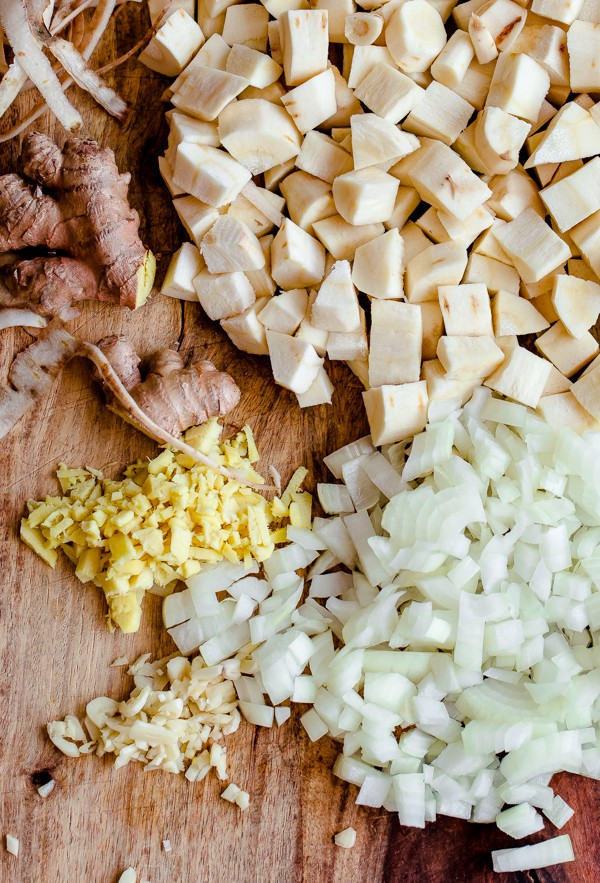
<point>163,521</point>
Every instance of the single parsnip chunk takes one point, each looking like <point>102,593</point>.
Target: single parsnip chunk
<point>261,280</point>
<point>396,413</point>
<point>467,230</point>
<point>496,275</point>
<point>512,194</point>
<point>444,180</point>
<point>375,140</point>
<point>395,343</point>
<point>363,28</point>
<point>318,393</point>
<point>577,303</point>
<point>452,63</point>
<point>442,264</point>
<point>533,247</point>
<point>322,157</point>
<point>522,377</point>
<point>308,199</point>
<point>294,363</point>
<point>504,20</point>
<point>258,134</point>
<point>571,134</point>
<point>475,84</point>
<point>185,128</point>
<point>498,138</point>
<point>230,246</point>
<point>466,309</point>
<point>247,24</point>
<point>586,236</point>
<point>166,173</point>
<point>225,295</point>
<point>196,217</point>
<point>313,102</point>
<point>465,358</point>
<point>574,198</point>
<point>256,67</point>
<point>365,196</point>
<point>297,259</point>
<point>174,44</point>
<point>285,312</point>
<point>563,409</point>
<point>347,104</point>
<point>567,353</point>
<point>337,10</point>
<point>519,88</point>
<point>407,199</point>
<point>445,394</point>
<point>341,239</point>
<point>482,40</point>
<point>378,266</point>
<point>587,392</point>
<point>349,346</point>
<point>185,264</point>
<point>583,43</point>
<point>440,114</point>
<point>415,35</point>
<point>388,92</point>
<point>206,91</point>
<point>359,61</point>
<point>250,214</point>
<point>245,330</point>
<point>305,44</point>
<point>512,314</point>
<point>564,11</point>
<point>433,327</point>
<point>430,224</point>
<point>336,305</point>
<point>209,174</point>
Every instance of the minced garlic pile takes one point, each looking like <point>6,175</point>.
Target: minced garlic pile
<point>163,521</point>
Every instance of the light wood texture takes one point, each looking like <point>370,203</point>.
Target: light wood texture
<point>56,651</point>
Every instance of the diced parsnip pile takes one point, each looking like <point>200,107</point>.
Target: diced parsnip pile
<point>455,183</point>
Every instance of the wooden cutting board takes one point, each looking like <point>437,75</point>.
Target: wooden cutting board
<point>56,650</point>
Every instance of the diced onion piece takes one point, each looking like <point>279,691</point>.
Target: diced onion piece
<point>346,838</point>
<point>538,855</point>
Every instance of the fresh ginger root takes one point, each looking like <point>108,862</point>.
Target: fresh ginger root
<point>74,203</point>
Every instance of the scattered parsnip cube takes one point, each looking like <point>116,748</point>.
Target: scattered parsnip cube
<point>214,53</point>
<point>274,36</point>
<point>272,93</point>
<point>297,259</point>
<point>359,61</point>
<point>308,199</point>
<point>209,174</point>
<point>305,44</point>
<point>336,305</point>
<point>444,180</point>
<point>414,241</point>
<point>487,245</point>
<point>442,264</point>
<point>571,134</point>
<point>210,24</point>
<point>261,280</point>
<point>569,354</point>
<point>315,336</point>
<point>349,346</point>
<point>347,104</point>
<point>556,382</point>
<point>586,237</point>
<point>230,246</point>
<point>574,198</point>
<point>319,392</point>
<point>547,45</point>
<point>520,88</point>
<point>375,140</point>
<point>395,343</point>
<point>363,28</point>
<point>311,103</point>
<point>533,247</point>
<point>453,61</point>
<point>207,91</point>
<point>246,332</point>
<point>430,224</point>
<point>462,13</point>
<point>440,114</point>
<point>185,128</point>
<point>388,92</point>
<point>498,138</point>
<point>223,296</point>
<point>415,35</point>
<point>587,392</point>
<point>521,377</point>
<point>366,196</point>
<point>543,304</point>
<point>433,327</point>
<point>512,314</point>
<point>156,8</point>
<point>285,312</point>
<point>483,42</point>
<point>445,394</point>
<point>407,199</point>
<point>244,210</point>
<point>214,8</point>
<point>341,239</point>
<point>563,409</point>
<point>475,84</point>
<point>583,43</point>
<point>465,358</point>
<point>396,413</point>
<point>577,303</point>
<point>467,230</point>
<point>166,173</point>
<point>512,194</point>
<point>294,363</point>
<point>274,176</point>
<point>196,217</point>
<point>496,275</point>
<point>360,369</point>
<point>322,157</point>
<point>258,68</point>
<point>259,134</point>
<point>466,309</point>
<point>185,264</point>
<point>504,20</point>
<point>247,24</point>
<point>276,8</point>
<point>378,266</point>
<point>564,11</point>
<point>173,45</point>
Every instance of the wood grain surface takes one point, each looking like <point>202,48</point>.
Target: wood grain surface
<point>55,650</point>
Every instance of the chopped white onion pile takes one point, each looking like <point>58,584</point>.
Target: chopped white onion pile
<point>455,657</point>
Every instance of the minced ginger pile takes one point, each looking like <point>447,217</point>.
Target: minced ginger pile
<point>163,521</point>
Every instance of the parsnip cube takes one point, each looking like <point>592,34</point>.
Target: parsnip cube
<point>360,61</point>
<point>512,194</point>
<point>294,363</point>
<point>336,305</point>
<point>414,241</point>
<point>442,264</point>
<point>258,68</point>
<point>504,20</point>
<point>487,245</point>
<point>433,328</point>
<point>452,63</point>
<point>166,173</point>
<point>285,312</point>
<point>261,280</point>
<point>363,28</point>
<point>322,157</point>
<point>185,128</point>
<point>586,237</point>
<point>206,91</point>
<point>230,246</point>
<point>498,139</point>
<point>258,222</point>
<point>571,134</point>
<point>215,8</point>
<point>308,199</point>
<point>533,247</point>
<point>445,395</point>
<point>246,332</point>
<point>586,392</point>
<point>395,343</point>
<point>466,309</point>
<point>366,196</point>
<point>512,314</point>
<point>305,44</point>
<point>225,295</point>
<point>173,45</point>
<point>274,34</point>
<point>407,199</point>
<point>462,13</point>
<point>440,113</point>
<point>349,346</point>
<point>311,103</point>
<point>556,382</point>
<point>558,10</point>
<point>396,413</point>
<point>209,174</point>
<point>574,198</point>
<point>466,358</point>
<point>272,93</point>
<point>563,409</point>
<point>196,217</point>
<point>475,84</point>
<point>567,353</point>
<point>375,140</point>
<point>444,180</point>
<point>388,92</point>
<point>430,224</point>
<point>341,239</point>
<point>156,8</point>
<point>521,377</point>
<point>468,230</point>
<point>319,393</point>
<point>297,259</point>
<point>214,53</point>
<point>313,335</point>
<point>259,134</point>
<point>577,303</point>
<point>483,42</point>
<point>495,275</point>
<point>247,24</point>
<point>378,266</point>
<point>274,176</point>
<point>347,104</point>
<point>185,264</point>
<point>415,35</point>
<point>521,88</point>
<point>583,43</point>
